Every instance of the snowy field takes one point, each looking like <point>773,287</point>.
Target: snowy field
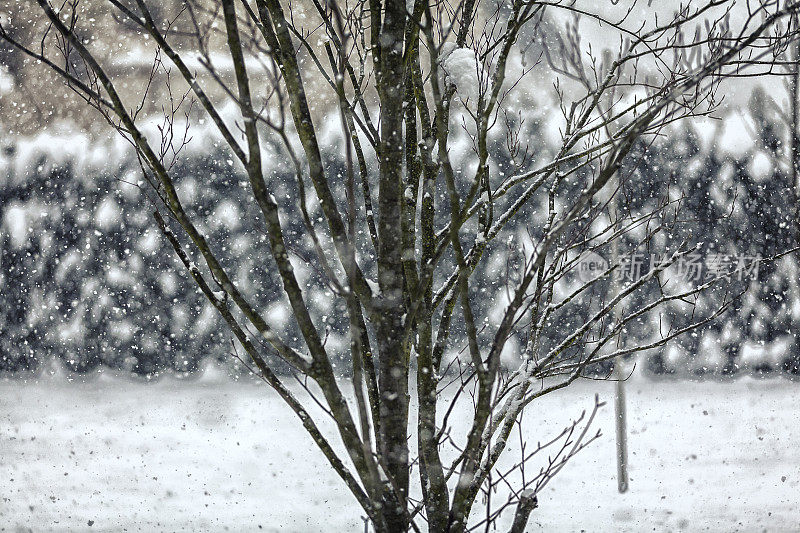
<point>211,455</point>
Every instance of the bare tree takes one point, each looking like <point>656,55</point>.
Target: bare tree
<point>407,79</point>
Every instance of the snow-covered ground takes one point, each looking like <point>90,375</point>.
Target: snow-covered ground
<point>211,455</point>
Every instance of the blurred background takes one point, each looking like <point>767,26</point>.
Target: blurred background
<point>87,283</point>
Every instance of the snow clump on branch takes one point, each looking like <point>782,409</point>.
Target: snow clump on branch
<point>461,68</point>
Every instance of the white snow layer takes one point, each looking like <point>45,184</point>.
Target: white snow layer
<point>211,455</point>
<point>761,166</point>
<point>15,222</point>
<point>6,81</point>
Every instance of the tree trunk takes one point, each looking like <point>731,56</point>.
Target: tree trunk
<point>393,371</point>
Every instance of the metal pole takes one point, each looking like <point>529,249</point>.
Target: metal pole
<point>620,411</point>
